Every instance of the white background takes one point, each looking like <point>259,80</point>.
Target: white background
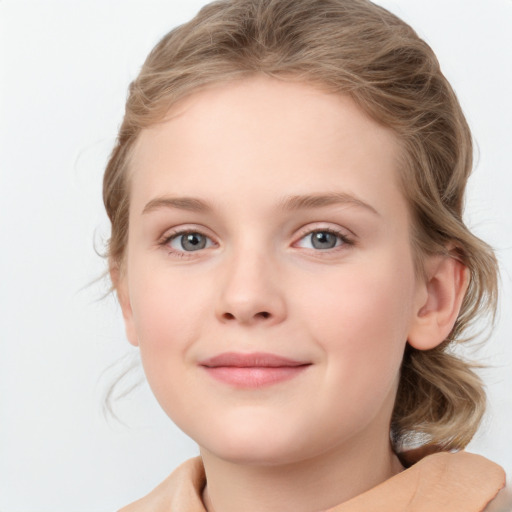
<point>64,69</point>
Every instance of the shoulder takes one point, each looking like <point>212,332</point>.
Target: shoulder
<point>181,490</point>
<point>502,502</point>
<point>441,482</point>
<point>476,478</point>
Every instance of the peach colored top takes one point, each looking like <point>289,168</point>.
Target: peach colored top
<point>443,482</point>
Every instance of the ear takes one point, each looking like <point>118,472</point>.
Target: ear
<point>120,282</point>
<point>442,294</point>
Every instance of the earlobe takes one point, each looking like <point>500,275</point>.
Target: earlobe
<point>445,286</point>
<point>120,284</point>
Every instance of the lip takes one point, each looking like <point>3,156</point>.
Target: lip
<point>252,370</point>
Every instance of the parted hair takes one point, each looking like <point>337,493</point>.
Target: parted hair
<point>355,48</point>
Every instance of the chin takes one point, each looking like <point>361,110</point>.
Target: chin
<point>254,447</point>
<point>254,456</point>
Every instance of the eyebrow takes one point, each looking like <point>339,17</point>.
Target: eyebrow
<point>290,203</point>
<point>190,204</point>
<point>301,202</point>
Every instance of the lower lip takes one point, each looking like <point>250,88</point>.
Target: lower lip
<point>254,377</point>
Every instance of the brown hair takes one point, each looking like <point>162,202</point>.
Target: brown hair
<point>356,48</point>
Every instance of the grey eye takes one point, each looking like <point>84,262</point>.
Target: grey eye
<point>323,240</point>
<point>189,242</point>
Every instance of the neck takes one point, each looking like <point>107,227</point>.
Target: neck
<point>311,485</point>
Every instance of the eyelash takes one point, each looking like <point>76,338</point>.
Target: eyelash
<point>168,238</point>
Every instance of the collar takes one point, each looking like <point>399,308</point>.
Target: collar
<point>442,482</point>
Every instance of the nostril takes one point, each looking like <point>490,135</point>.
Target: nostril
<point>243,318</point>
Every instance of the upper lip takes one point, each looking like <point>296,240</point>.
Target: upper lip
<point>252,360</point>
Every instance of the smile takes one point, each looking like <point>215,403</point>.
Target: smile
<point>252,370</point>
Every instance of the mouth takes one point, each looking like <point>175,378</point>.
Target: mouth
<point>252,370</point>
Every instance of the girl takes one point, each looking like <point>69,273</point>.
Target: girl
<point>289,254</point>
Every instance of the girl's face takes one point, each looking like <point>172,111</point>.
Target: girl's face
<point>269,279</point>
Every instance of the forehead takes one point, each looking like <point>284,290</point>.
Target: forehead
<point>268,136</point>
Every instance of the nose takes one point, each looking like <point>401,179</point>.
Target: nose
<point>250,291</point>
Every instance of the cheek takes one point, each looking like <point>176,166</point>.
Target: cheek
<point>361,319</point>
<point>167,314</point>
<point>166,308</point>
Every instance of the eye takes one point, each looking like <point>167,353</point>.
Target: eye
<point>189,241</point>
<point>322,239</point>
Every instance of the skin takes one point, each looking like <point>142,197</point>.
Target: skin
<point>260,285</point>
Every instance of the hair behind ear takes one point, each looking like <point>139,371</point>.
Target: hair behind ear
<point>440,400</point>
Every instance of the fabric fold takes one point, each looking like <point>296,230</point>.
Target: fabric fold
<point>442,482</point>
